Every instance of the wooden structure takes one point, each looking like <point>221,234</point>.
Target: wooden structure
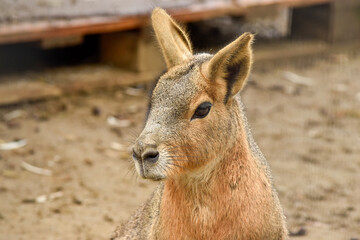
<point>335,22</point>
<point>57,28</point>
<point>127,42</point>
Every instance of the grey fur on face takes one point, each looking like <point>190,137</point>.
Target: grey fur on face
<point>170,101</point>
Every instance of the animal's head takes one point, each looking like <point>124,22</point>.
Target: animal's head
<point>193,115</point>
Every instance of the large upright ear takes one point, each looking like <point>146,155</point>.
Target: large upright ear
<point>173,41</point>
<point>231,65</point>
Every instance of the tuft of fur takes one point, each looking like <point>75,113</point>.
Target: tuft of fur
<point>216,183</point>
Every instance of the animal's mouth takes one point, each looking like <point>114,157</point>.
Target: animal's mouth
<point>141,170</point>
<point>146,172</point>
<point>157,179</point>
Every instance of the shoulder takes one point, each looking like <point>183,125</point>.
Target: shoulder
<point>140,223</point>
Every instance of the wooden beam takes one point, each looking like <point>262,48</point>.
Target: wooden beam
<point>27,91</point>
<point>92,78</point>
<point>35,31</point>
<point>335,22</point>
<point>133,50</point>
<point>345,21</point>
<point>73,80</point>
<point>311,22</point>
<point>287,3</point>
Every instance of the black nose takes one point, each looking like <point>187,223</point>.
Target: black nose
<point>150,155</point>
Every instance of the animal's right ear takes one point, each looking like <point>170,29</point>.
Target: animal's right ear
<point>173,41</point>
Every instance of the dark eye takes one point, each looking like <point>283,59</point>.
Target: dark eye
<point>202,110</point>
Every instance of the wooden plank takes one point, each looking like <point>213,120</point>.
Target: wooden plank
<point>23,32</point>
<point>69,80</point>
<point>26,91</point>
<point>311,22</point>
<point>134,50</point>
<point>288,3</point>
<point>120,49</point>
<point>334,22</point>
<point>88,79</point>
<point>345,20</point>
<point>288,50</point>
<point>97,82</point>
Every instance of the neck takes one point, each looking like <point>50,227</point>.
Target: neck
<point>231,196</point>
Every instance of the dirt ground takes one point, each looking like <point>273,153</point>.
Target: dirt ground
<point>304,114</point>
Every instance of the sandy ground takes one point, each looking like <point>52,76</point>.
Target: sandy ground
<point>309,131</point>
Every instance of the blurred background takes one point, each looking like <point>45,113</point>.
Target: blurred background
<point>74,82</point>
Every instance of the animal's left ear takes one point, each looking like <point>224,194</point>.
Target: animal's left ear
<point>231,65</point>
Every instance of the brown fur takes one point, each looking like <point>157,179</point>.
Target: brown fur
<point>223,207</point>
<point>216,182</point>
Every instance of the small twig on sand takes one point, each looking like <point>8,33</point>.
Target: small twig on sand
<point>51,196</point>
<point>14,114</point>
<point>121,123</point>
<point>297,79</point>
<point>117,146</point>
<point>13,145</point>
<point>36,170</point>
<point>44,198</point>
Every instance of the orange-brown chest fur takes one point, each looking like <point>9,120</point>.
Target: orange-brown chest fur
<point>236,203</point>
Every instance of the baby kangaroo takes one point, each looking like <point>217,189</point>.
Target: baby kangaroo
<point>215,182</point>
